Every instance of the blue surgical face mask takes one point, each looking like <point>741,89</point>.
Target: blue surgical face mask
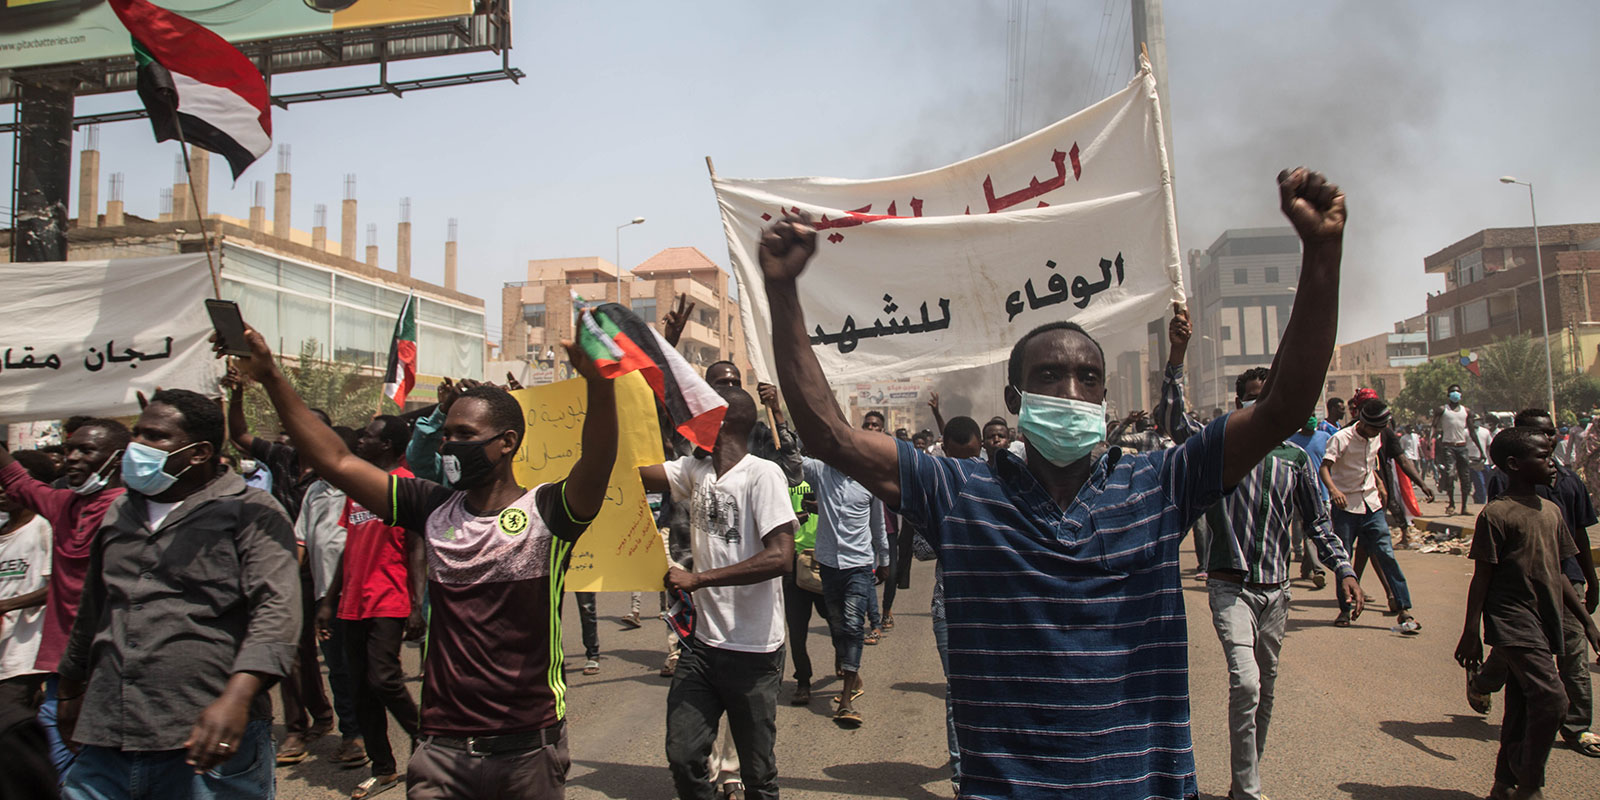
<point>1455,397</point>
<point>1247,403</point>
<point>144,468</point>
<point>99,479</point>
<point>1062,430</point>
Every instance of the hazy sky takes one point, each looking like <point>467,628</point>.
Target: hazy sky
<point>1415,108</point>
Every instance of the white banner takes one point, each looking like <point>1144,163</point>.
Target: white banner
<point>81,337</point>
<point>946,269</point>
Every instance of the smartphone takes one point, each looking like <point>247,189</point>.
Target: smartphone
<point>229,325</point>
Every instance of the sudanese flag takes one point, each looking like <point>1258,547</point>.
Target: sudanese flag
<point>620,342</point>
<point>401,376</point>
<point>196,85</point>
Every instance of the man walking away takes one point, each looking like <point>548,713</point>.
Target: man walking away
<point>1516,597</point>
<point>169,682</point>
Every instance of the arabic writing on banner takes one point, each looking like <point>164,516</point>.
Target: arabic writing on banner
<point>621,550</point>
<point>83,337</point>
<point>1073,222</point>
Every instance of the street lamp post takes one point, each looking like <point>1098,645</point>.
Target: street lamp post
<point>634,221</point>
<point>1544,313</point>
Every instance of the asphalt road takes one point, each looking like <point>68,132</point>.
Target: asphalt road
<point>1361,713</point>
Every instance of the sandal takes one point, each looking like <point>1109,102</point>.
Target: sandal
<point>847,717</point>
<point>591,667</point>
<point>1343,620</point>
<point>872,638</point>
<point>375,786</point>
<point>1414,628</point>
<point>293,750</point>
<point>1481,702</point>
<point>888,621</point>
<point>1587,744</point>
<point>352,752</point>
<point>854,696</point>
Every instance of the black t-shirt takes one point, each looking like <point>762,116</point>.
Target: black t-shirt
<point>289,485</point>
<point>1525,539</point>
<point>1577,510</point>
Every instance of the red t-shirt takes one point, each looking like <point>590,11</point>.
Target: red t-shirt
<point>374,564</point>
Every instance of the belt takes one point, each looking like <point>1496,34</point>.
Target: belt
<point>480,746</point>
<point>1239,579</point>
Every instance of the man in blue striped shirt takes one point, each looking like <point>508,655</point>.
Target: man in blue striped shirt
<point>1068,647</point>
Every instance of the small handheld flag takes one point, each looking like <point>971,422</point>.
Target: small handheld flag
<point>401,376</point>
<point>1469,359</point>
<point>620,342</point>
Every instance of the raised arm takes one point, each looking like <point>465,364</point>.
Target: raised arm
<point>938,418</point>
<point>238,427</point>
<point>316,443</point>
<point>1317,210</point>
<point>870,458</point>
<point>585,487</point>
<point>1171,412</point>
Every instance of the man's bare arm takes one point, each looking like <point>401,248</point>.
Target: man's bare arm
<point>316,443</point>
<point>1317,210</point>
<point>870,458</point>
<point>775,560</point>
<point>238,427</point>
<point>586,485</point>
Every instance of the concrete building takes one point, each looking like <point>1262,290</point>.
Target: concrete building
<point>293,286</point>
<point>1379,362</point>
<point>536,314</point>
<point>1492,292</point>
<point>1242,291</point>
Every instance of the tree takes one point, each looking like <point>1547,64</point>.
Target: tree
<point>337,387</point>
<point>1426,387</point>
<point>1512,376</point>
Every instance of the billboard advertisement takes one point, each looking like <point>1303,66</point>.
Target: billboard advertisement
<point>37,32</point>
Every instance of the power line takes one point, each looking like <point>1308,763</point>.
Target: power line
<point>1094,63</point>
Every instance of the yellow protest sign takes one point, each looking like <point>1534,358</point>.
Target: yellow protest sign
<point>621,551</point>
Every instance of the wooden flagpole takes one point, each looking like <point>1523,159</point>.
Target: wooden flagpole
<point>194,198</point>
<point>772,420</point>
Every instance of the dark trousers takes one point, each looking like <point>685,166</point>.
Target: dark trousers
<point>304,701</point>
<point>28,771</point>
<point>589,621</point>
<point>1535,703</point>
<point>1572,663</point>
<point>1454,469</point>
<point>344,692</point>
<point>797,606</point>
<point>372,647</point>
<point>711,682</point>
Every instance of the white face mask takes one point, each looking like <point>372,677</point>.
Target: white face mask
<point>5,519</point>
<point>1247,403</point>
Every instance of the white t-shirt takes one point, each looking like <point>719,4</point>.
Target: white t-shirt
<point>24,568</point>
<point>1413,446</point>
<point>728,516</point>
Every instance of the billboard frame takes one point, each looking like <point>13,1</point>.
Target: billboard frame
<point>487,29</point>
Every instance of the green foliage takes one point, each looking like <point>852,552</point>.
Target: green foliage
<point>1512,378</point>
<point>1426,387</point>
<point>337,387</point>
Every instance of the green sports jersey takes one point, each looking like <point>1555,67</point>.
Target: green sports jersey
<point>805,537</point>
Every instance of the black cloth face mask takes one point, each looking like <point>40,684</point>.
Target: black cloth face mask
<point>466,465</point>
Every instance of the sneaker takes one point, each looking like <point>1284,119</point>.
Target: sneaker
<point>1319,579</point>
<point>631,621</point>
<point>293,750</point>
<point>1479,701</point>
<point>1343,620</point>
<point>670,668</point>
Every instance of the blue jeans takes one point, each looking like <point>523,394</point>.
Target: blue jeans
<point>941,639</point>
<point>344,694</point>
<point>848,592</point>
<point>1372,529</point>
<point>60,756</point>
<point>102,773</point>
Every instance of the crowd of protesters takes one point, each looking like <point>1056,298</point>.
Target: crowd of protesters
<point>153,595</point>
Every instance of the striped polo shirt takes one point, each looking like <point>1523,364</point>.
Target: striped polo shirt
<point>1068,645</point>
